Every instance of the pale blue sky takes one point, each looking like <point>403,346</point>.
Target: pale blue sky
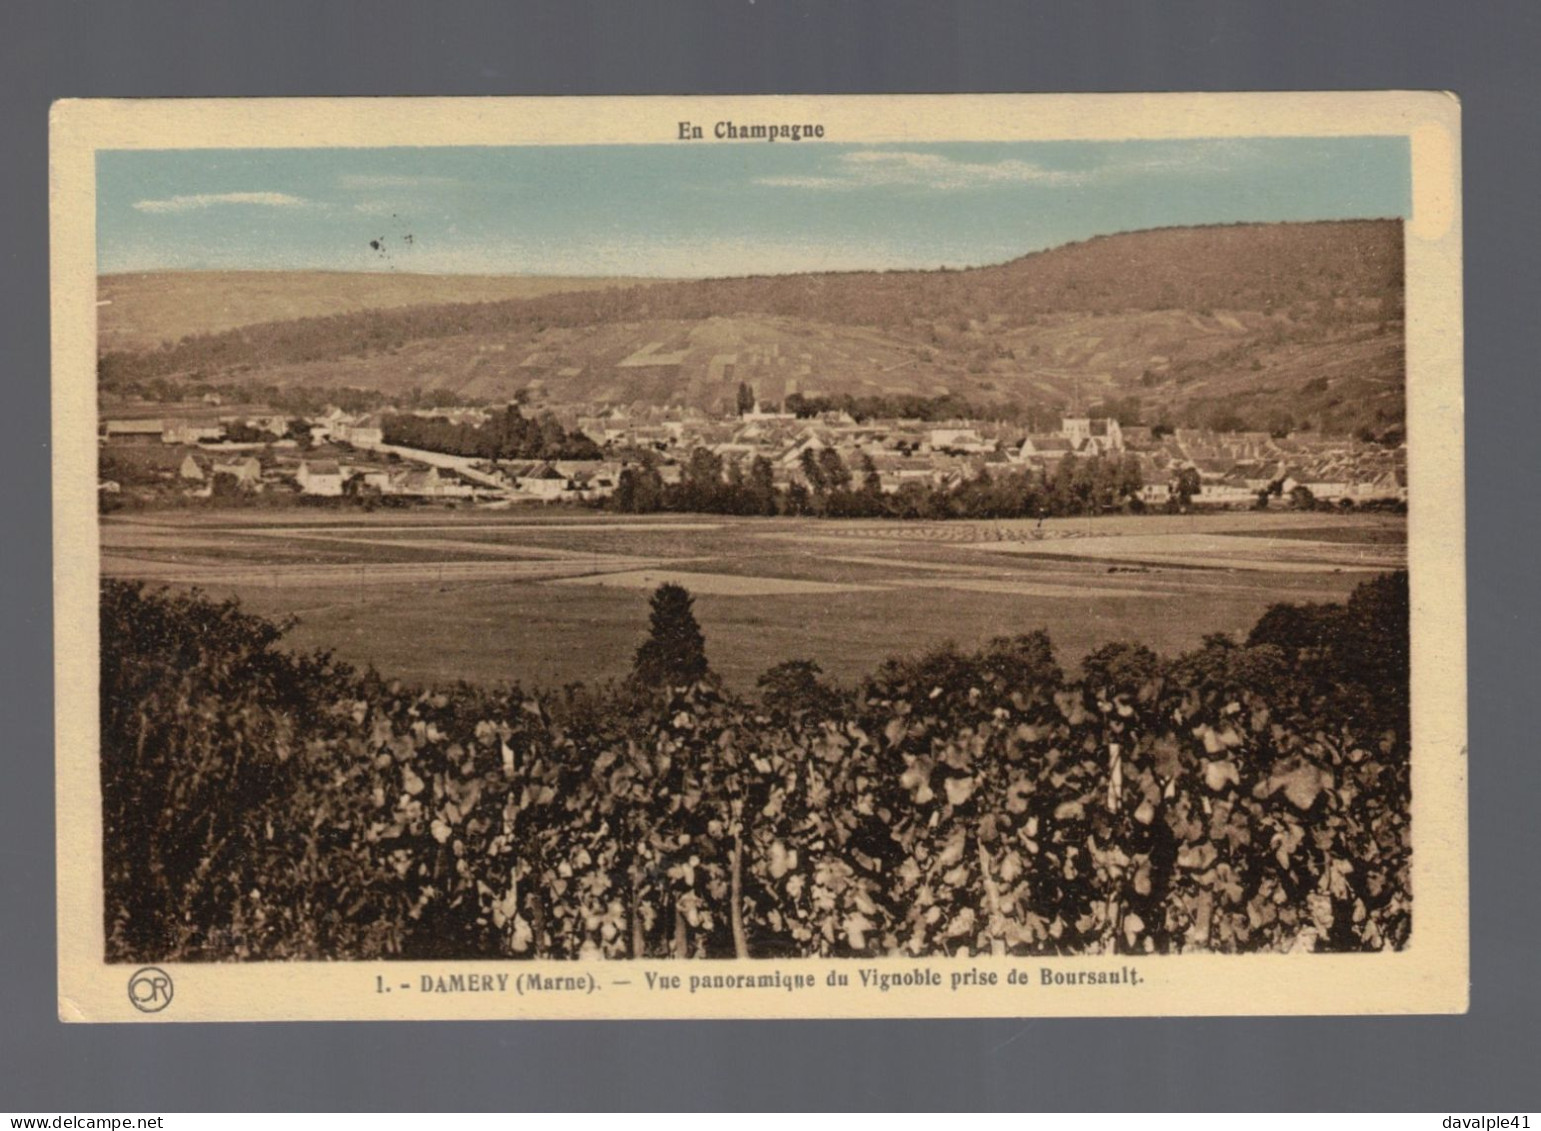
<point>709,208</point>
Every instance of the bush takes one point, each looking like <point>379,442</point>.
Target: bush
<point>1241,797</point>
<point>793,688</point>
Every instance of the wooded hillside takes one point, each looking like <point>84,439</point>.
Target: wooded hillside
<point>1261,326</point>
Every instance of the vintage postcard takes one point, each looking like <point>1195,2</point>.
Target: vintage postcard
<point>759,557</point>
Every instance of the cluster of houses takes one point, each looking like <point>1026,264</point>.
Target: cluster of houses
<point>202,474</point>
<point>190,429</point>
<point>1232,467</point>
<point>551,481</point>
<point>343,455</point>
<point>218,428</point>
<point>351,458</point>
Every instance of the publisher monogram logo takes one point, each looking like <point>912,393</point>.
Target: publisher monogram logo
<point>150,989</point>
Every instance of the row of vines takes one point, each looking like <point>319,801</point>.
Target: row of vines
<point>1246,796</point>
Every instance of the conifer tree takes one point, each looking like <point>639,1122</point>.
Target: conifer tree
<point>674,652</point>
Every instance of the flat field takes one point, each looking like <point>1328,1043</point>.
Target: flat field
<point>545,600</point>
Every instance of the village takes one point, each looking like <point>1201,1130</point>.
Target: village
<point>208,450</point>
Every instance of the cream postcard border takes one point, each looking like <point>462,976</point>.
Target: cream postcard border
<point>1430,976</point>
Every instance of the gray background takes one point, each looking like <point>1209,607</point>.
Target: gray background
<point>1487,53</point>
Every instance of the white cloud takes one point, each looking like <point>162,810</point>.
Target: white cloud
<point>392,180</point>
<point>211,199</point>
<point>1217,155</point>
<point>867,168</point>
<point>870,167</point>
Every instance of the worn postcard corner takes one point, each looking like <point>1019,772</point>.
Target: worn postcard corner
<point>929,556</point>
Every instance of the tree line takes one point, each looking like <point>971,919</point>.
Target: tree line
<point>826,486</point>
<point>506,435</point>
<point>910,406</point>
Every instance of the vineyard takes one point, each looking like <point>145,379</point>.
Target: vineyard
<point>1246,796</point>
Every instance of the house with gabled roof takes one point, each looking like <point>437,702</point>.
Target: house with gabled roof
<point>319,477</point>
<point>363,431</point>
<point>809,442</point>
<point>1045,449</point>
<point>962,439</point>
<point>134,431</point>
<point>418,482</point>
<point>247,473</point>
<point>993,459</point>
<point>192,430</point>
<point>545,483</point>
<point>1093,434</point>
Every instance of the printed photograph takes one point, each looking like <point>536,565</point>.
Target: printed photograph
<point>754,547</point>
